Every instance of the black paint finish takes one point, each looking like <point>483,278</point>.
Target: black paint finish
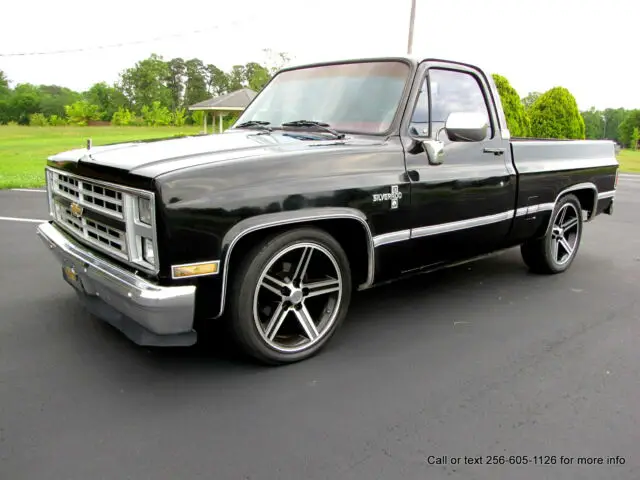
<point>211,190</point>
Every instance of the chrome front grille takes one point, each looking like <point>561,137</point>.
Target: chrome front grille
<point>108,238</point>
<point>87,193</point>
<point>105,216</point>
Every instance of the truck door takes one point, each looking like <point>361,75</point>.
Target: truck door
<point>462,207</point>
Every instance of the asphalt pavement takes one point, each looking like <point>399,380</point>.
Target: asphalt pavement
<point>524,375</point>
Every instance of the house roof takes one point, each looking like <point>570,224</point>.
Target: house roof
<point>237,100</point>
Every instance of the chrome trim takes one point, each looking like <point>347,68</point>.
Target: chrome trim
<point>605,195</point>
<point>392,237</point>
<point>161,310</point>
<point>319,216</point>
<point>461,225</point>
<point>134,229</point>
<point>530,209</point>
<point>217,262</point>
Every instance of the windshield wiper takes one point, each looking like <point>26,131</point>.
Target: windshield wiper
<point>259,124</point>
<point>325,127</point>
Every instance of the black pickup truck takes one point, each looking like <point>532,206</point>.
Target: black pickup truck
<point>338,177</point>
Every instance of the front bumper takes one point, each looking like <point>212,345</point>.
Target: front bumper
<point>146,313</point>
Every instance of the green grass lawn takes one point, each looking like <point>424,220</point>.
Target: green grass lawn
<point>24,150</point>
<point>629,161</point>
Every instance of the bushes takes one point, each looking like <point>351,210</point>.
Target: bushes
<point>556,115</point>
<point>517,119</point>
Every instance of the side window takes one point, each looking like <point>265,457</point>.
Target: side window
<point>455,91</point>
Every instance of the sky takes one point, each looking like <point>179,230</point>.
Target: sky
<point>586,46</point>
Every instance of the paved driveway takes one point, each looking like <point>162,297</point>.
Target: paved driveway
<point>479,361</point>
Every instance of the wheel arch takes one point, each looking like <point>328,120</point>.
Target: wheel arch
<point>587,194</point>
<point>246,233</point>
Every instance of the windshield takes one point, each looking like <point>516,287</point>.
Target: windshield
<point>354,97</point>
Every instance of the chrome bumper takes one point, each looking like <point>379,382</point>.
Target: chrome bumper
<point>146,313</point>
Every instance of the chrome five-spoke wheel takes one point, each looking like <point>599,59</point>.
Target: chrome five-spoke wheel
<point>289,295</point>
<point>554,252</point>
<point>565,233</point>
<point>297,297</point>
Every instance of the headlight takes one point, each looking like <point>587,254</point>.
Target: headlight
<point>144,210</point>
<point>147,251</point>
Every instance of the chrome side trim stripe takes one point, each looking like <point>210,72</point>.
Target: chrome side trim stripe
<point>605,195</point>
<point>392,237</point>
<point>531,209</point>
<point>461,225</point>
<point>402,235</point>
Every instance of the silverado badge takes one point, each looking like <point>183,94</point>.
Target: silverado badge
<point>76,210</point>
<point>394,196</point>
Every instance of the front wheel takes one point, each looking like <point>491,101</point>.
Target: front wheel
<point>555,252</point>
<point>289,296</point>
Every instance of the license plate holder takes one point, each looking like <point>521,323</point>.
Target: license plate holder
<point>71,276</point>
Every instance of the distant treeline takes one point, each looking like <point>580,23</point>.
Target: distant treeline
<point>555,114</point>
<point>157,92</point>
<point>152,92</point>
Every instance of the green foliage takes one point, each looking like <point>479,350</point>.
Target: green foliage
<point>555,114</point>
<point>517,119</point>
<point>175,83</point>
<point>122,117</point>
<point>197,117</point>
<point>24,101</point>
<point>38,120</point>
<point>156,116</point>
<point>53,99</point>
<point>56,121</point>
<point>107,98</point>
<point>594,123</point>
<point>613,118</point>
<point>79,113</point>
<point>635,138</point>
<point>630,122</point>
<point>626,129</point>
<point>179,117</point>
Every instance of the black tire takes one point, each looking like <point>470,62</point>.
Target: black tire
<point>540,255</point>
<point>246,289</point>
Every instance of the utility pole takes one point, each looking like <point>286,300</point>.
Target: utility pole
<point>411,21</point>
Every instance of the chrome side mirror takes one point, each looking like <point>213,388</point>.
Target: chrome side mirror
<point>466,127</point>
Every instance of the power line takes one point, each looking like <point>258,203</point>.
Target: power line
<point>115,45</point>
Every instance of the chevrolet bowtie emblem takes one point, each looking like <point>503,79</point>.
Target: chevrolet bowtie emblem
<point>76,210</point>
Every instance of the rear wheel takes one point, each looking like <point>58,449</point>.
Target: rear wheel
<point>555,252</point>
<point>289,296</point>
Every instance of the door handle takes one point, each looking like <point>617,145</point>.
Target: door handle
<point>495,151</point>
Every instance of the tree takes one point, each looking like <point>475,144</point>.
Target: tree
<point>79,113</point>
<point>594,123</point>
<point>635,138</point>
<point>53,98</point>
<point>256,76</point>
<point>556,115</point>
<point>530,99</point>
<point>196,84</point>
<point>146,83</point>
<point>217,81</point>
<point>24,101</point>
<point>108,99</point>
<point>626,129</point>
<point>613,117</point>
<point>517,119</point>
<point>237,78</point>
<point>176,81</point>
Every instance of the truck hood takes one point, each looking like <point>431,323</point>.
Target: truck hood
<point>150,158</point>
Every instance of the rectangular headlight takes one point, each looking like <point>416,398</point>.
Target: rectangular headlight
<point>147,251</point>
<point>144,210</point>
